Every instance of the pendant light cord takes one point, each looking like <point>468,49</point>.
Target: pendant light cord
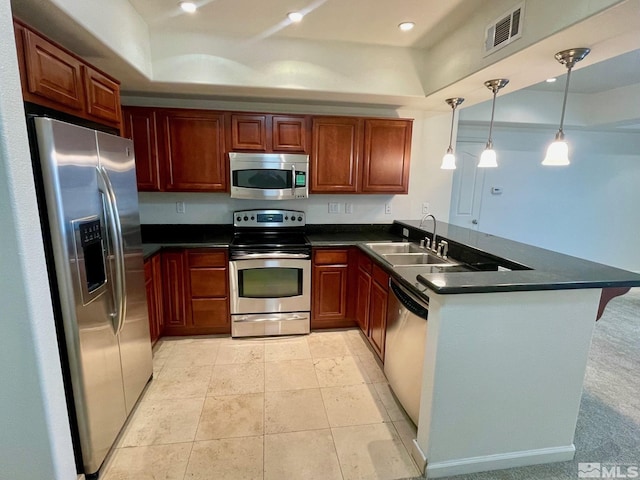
<point>493,109</point>
<point>453,115</point>
<point>564,102</point>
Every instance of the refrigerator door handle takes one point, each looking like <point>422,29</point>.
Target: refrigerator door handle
<point>115,232</point>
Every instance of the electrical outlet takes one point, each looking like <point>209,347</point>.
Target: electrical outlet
<point>405,232</point>
<point>425,208</point>
<point>387,208</point>
<point>334,207</point>
<point>348,208</point>
<point>180,208</point>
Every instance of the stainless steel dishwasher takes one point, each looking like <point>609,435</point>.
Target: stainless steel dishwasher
<point>404,347</point>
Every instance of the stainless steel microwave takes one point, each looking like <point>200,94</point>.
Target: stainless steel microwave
<point>269,176</point>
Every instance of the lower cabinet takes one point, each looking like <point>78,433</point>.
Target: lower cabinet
<point>153,287</point>
<point>371,298</point>
<point>330,287</point>
<point>196,291</point>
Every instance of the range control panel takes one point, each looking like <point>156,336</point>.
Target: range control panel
<point>269,218</point>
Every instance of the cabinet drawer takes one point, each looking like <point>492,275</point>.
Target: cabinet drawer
<point>330,257</point>
<point>380,276</point>
<point>364,262</point>
<point>208,282</point>
<point>210,312</point>
<point>216,258</point>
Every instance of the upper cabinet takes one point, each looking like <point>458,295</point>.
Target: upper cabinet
<point>53,77</point>
<point>191,150</point>
<point>262,132</point>
<point>140,126</point>
<point>360,155</point>
<point>335,155</point>
<point>387,151</point>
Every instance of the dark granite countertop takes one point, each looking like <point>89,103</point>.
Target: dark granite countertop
<point>530,268</point>
<point>546,270</point>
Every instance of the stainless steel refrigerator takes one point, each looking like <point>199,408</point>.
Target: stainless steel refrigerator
<point>97,276</point>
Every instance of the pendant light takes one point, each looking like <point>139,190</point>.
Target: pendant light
<point>449,160</point>
<point>488,157</point>
<point>558,151</point>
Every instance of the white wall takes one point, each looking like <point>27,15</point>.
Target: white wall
<point>588,209</point>
<point>427,182</point>
<point>35,442</point>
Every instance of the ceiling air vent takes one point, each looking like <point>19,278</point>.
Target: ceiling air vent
<point>504,30</point>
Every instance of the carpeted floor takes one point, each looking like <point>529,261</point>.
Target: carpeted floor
<point>608,429</point>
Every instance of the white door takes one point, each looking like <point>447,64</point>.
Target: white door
<point>468,183</point>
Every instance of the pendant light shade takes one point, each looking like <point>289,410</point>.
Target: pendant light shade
<point>449,159</point>
<point>488,158</point>
<point>558,151</point>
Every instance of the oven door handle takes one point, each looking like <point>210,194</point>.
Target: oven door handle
<point>269,256</point>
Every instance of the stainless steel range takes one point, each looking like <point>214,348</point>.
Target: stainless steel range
<point>269,273</point>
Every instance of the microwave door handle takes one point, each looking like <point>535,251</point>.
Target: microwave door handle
<point>293,181</point>
<point>114,226</point>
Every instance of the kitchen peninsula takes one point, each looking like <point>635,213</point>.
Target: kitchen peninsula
<point>506,345</point>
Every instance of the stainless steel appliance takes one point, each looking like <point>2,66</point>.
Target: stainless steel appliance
<point>269,274</point>
<point>269,176</point>
<point>89,209</point>
<point>404,347</point>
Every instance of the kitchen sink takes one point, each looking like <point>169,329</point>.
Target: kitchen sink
<point>416,259</point>
<point>395,247</point>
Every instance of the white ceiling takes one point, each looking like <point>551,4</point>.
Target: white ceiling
<point>373,22</point>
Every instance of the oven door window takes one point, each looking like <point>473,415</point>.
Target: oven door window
<point>272,179</point>
<point>270,282</point>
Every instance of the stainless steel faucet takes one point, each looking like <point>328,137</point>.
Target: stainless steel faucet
<point>434,243</point>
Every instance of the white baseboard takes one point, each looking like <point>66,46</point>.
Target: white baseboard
<point>418,456</point>
<point>500,461</point>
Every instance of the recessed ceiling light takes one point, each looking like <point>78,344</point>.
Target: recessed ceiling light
<point>406,26</point>
<point>295,17</point>
<point>550,80</point>
<point>188,7</point>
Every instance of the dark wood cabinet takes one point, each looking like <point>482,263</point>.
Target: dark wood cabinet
<point>335,155</point>
<point>360,155</point>
<point>153,287</point>
<point>329,286</point>
<point>363,291</point>
<point>196,292</point>
<point>289,133</point>
<point>140,126</point>
<point>378,310</point>
<point>387,151</point>
<point>264,132</point>
<point>102,95</point>
<point>209,291</point>
<point>174,290</point>
<point>191,150</point>
<point>248,132</point>
<point>54,77</point>
<point>372,285</point>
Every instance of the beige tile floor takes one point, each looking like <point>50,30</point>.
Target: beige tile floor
<point>304,408</point>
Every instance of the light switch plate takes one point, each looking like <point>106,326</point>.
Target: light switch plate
<point>334,207</point>
<point>348,208</point>
<point>180,208</point>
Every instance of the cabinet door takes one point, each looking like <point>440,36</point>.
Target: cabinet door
<point>52,74</point>
<point>174,290</point>
<point>387,151</point>
<point>363,294</point>
<point>102,96</point>
<point>335,155</point>
<point>289,133</point>
<point>151,301</point>
<point>140,126</point>
<point>329,299</point>
<point>191,148</point>
<point>378,318</point>
<point>248,132</point>
<point>156,265</point>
